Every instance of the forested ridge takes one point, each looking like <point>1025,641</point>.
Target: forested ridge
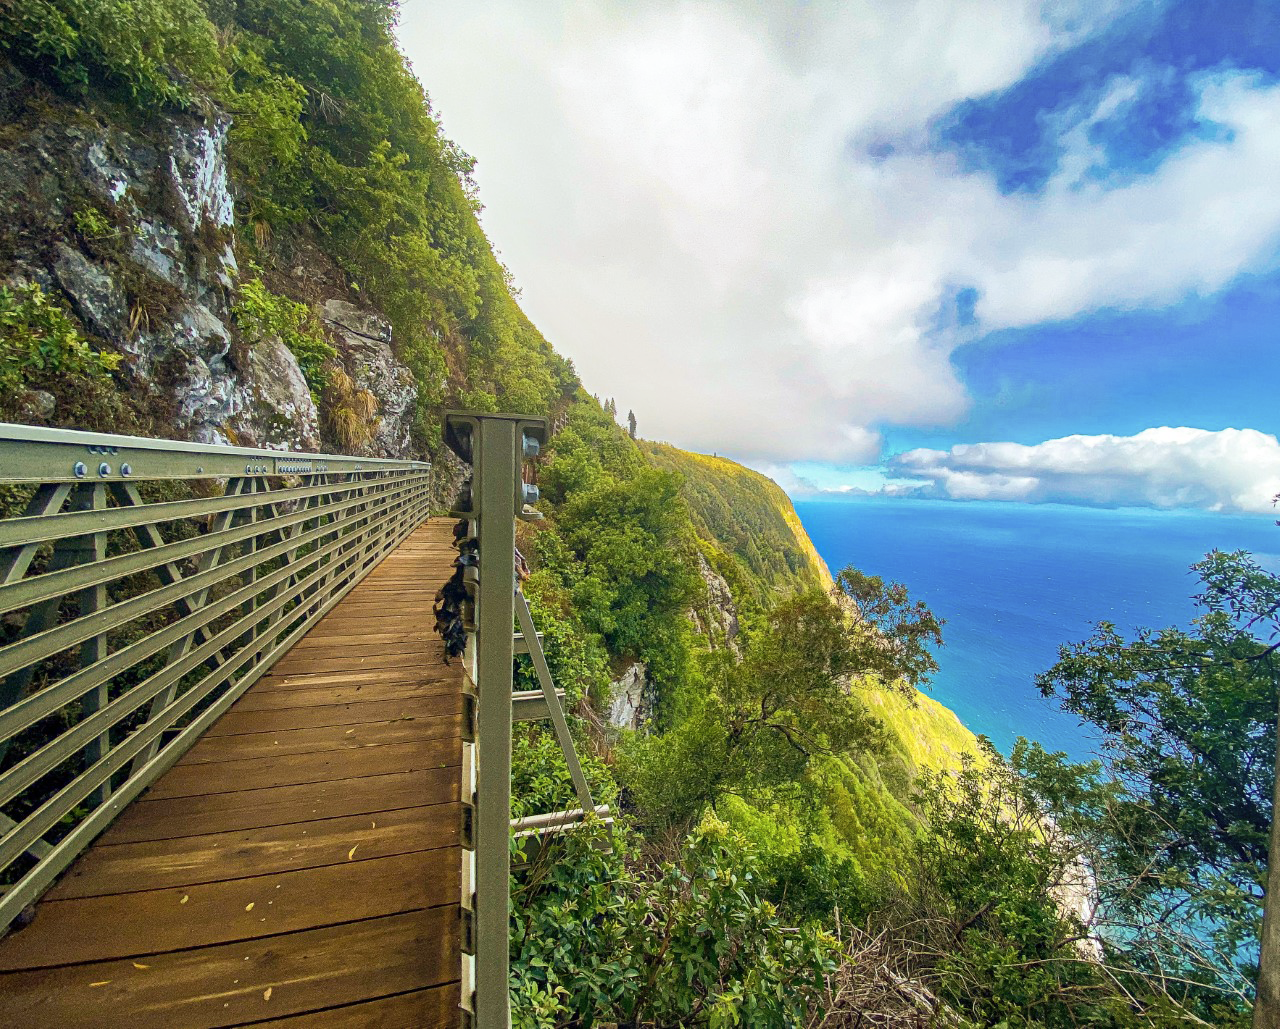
<point>806,838</point>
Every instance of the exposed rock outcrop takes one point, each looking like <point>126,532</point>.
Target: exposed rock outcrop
<point>630,699</point>
<point>134,227</point>
<point>364,345</point>
<point>717,618</point>
<point>281,393</point>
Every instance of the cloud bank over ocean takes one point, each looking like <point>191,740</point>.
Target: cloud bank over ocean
<point>1229,470</point>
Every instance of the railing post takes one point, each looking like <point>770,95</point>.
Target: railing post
<point>494,446</point>
<point>495,470</point>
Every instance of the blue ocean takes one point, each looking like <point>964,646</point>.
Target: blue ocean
<point>1015,581</point>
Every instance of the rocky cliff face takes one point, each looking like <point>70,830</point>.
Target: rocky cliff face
<point>630,698</point>
<point>364,347</point>
<point>717,618</point>
<point>135,226</point>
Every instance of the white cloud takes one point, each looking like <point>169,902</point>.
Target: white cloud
<point>1228,470</point>
<point>680,191</point>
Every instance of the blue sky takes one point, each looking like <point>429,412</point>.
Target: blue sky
<point>1019,250</point>
<point>1119,372</point>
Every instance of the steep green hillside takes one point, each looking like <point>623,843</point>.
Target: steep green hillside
<point>746,515</point>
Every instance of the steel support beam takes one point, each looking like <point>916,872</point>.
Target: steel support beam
<point>496,473</point>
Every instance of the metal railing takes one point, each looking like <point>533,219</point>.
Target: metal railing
<point>144,586</point>
<point>495,446</point>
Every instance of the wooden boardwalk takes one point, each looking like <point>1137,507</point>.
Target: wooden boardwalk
<point>300,866</point>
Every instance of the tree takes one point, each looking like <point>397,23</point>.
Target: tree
<point>791,699</point>
<point>1187,722</point>
<point>983,912</point>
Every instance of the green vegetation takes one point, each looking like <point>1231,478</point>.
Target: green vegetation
<point>787,702</point>
<point>262,315</point>
<point>1188,717</point>
<point>148,51</point>
<point>40,343</point>
<point>610,938</point>
<point>743,516</point>
<point>614,563</point>
<point>41,349</point>
<point>336,138</point>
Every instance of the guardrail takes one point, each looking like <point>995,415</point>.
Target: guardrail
<point>144,586</point>
<point>491,608</point>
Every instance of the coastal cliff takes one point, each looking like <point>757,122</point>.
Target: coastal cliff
<point>243,224</point>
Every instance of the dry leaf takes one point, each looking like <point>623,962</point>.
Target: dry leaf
<point>139,964</point>
<point>266,994</point>
<point>348,732</point>
<point>373,825</point>
<point>249,906</point>
<point>185,897</point>
<point>104,982</point>
<point>352,852</point>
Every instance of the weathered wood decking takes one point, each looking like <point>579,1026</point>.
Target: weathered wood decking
<point>300,865</point>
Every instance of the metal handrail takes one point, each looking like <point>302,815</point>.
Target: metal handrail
<point>146,584</point>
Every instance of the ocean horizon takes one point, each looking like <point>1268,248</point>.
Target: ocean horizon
<point>1016,581</point>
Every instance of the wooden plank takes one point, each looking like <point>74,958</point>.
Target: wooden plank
<point>385,622</point>
<point>185,780</point>
<point>406,652</point>
<point>412,705</point>
<point>313,740</point>
<point>331,639</point>
<point>328,665</point>
<point>436,1008</point>
<point>236,983</point>
<point>148,819</point>
<point>302,695</point>
<point>152,922</point>
<point>216,857</point>
<point>445,676</point>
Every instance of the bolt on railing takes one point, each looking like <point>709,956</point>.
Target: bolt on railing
<point>144,586</point>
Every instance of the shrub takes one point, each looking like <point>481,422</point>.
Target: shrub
<point>599,938</point>
<point>261,315</point>
<point>40,341</point>
<point>149,50</point>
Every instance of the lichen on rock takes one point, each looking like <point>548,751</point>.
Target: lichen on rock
<point>198,172</point>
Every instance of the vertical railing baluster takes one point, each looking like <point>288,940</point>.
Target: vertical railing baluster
<point>92,599</point>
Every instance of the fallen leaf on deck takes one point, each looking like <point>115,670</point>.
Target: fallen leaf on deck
<point>352,852</point>
<point>103,983</point>
<point>185,897</point>
<point>249,906</point>
<point>266,994</point>
<point>139,964</point>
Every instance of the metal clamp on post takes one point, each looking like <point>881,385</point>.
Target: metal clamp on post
<point>494,445</point>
